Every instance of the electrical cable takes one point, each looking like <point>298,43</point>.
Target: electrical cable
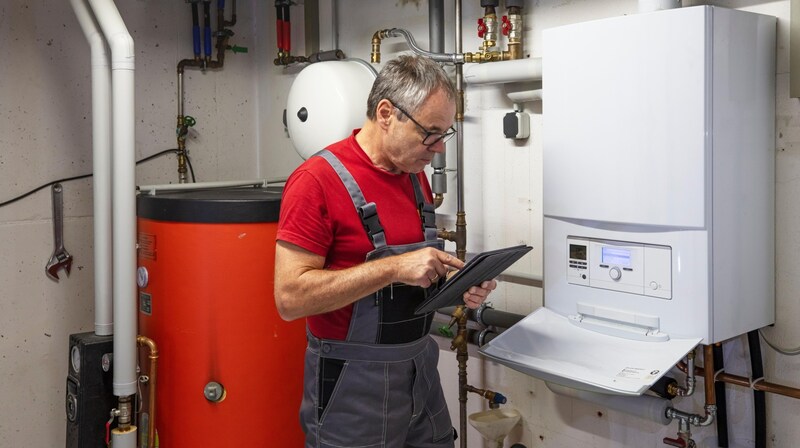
<point>779,349</point>
<point>84,176</point>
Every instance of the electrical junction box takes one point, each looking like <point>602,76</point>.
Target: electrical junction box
<point>90,396</point>
<point>517,125</point>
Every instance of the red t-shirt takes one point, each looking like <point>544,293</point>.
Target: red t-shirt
<point>318,215</point>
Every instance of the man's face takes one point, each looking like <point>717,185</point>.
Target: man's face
<point>406,150</point>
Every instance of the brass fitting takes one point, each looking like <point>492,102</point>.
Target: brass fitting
<point>375,56</point>
<point>153,357</point>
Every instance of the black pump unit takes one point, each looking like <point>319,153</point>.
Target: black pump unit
<point>90,395</point>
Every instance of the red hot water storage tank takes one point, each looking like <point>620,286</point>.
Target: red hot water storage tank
<point>206,264</point>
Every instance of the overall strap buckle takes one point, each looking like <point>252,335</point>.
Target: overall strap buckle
<point>369,219</point>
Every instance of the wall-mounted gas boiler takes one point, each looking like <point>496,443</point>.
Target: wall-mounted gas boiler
<point>658,195</point>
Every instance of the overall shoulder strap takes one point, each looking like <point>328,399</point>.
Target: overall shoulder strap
<point>427,213</point>
<point>367,212</point>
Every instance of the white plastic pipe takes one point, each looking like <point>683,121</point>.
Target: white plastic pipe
<point>646,406</point>
<point>123,194</point>
<point>101,156</point>
<point>525,96</point>
<point>518,70</point>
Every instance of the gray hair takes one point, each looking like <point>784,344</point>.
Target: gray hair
<point>407,82</point>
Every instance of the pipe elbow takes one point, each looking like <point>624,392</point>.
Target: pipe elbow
<point>375,56</point>
<point>122,55</point>
<point>98,46</point>
<point>149,343</point>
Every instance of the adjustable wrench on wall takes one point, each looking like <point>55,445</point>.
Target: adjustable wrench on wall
<point>60,258</point>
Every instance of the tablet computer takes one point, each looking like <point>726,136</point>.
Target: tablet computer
<point>484,266</point>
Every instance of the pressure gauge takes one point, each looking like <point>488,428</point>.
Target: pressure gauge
<point>142,276</point>
<point>75,359</point>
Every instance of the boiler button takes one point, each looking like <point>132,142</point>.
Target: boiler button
<point>615,273</point>
<point>654,285</point>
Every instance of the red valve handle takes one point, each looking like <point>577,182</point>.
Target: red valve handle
<point>481,28</point>
<point>506,26</point>
<point>108,432</point>
<point>675,442</point>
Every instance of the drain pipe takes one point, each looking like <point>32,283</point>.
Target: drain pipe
<point>101,156</point>
<point>123,214</point>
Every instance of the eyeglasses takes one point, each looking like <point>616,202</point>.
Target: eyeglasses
<point>431,138</point>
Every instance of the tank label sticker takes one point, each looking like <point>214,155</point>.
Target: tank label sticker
<point>145,303</point>
<point>147,246</point>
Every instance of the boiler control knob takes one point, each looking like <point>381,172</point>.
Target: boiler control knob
<point>615,273</point>
<point>654,285</point>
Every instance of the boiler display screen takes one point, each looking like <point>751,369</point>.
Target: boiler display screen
<point>577,251</point>
<point>616,256</point>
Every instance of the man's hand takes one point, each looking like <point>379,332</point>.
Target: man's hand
<point>425,266</point>
<point>476,295</point>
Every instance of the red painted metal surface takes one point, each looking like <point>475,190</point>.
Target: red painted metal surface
<point>209,306</point>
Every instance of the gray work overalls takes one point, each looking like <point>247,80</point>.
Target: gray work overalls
<point>379,387</point>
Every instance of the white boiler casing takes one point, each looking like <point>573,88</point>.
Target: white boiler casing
<point>659,181</point>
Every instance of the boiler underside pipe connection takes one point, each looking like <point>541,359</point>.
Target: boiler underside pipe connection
<point>101,167</point>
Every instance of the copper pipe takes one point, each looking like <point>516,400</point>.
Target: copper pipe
<point>151,385</point>
<point>765,386</point>
<point>708,375</point>
<point>459,344</point>
<point>231,22</point>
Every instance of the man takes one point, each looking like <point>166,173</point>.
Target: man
<point>356,250</point>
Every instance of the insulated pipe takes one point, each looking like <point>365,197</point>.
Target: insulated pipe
<point>123,196</point>
<point>436,36</point>
<point>207,29</point>
<point>525,96</point>
<point>436,25</point>
<point>651,408</point>
<point>195,31</point>
<point>719,393</point>
<point>487,316</point>
<point>518,70</point>
<point>101,156</point>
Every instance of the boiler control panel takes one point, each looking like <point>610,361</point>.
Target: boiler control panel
<point>636,268</point>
